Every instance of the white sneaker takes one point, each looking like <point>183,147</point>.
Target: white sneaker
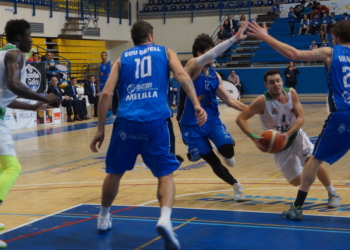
<point>238,192</point>
<point>3,244</point>
<point>334,200</point>
<point>2,226</point>
<point>166,231</point>
<point>104,223</point>
<point>229,162</point>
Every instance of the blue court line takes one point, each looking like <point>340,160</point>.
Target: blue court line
<point>62,164</point>
<point>214,224</point>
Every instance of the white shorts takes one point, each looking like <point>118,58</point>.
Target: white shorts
<point>6,142</point>
<point>291,161</point>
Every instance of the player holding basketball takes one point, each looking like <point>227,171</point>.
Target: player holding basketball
<point>12,85</point>
<point>143,74</point>
<point>208,85</point>
<point>333,142</point>
<point>281,110</point>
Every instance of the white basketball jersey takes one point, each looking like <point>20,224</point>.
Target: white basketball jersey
<point>6,95</point>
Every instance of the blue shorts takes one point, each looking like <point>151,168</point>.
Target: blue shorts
<point>102,84</point>
<point>334,140</point>
<point>197,138</point>
<point>150,139</point>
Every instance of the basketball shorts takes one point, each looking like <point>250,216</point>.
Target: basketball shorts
<point>149,139</point>
<point>291,161</point>
<point>102,84</point>
<point>6,142</point>
<point>334,140</point>
<point>197,137</point>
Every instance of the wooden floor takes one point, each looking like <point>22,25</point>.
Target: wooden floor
<point>60,171</point>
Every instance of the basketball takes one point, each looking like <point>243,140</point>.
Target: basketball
<point>273,140</point>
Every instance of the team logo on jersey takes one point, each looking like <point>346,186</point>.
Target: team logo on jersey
<point>342,128</point>
<point>274,111</point>
<point>123,135</point>
<point>131,88</point>
<point>283,118</point>
<point>307,152</point>
<point>33,77</point>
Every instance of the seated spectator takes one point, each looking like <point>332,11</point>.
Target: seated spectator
<point>313,13</point>
<point>227,27</point>
<point>312,47</point>
<point>345,16</point>
<point>322,8</point>
<point>332,21</point>
<point>315,25</point>
<point>233,78</point>
<point>51,71</point>
<point>34,58</point>
<point>305,25</point>
<point>275,9</point>
<point>292,17</point>
<point>323,36</point>
<point>307,10</point>
<point>71,91</point>
<point>241,21</point>
<point>324,43</point>
<point>66,101</point>
<point>48,57</point>
<point>324,22</point>
<point>298,9</point>
<point>92,91</point>
<point>222,34</point>
<point>30,53</point>
<point>232,22</point>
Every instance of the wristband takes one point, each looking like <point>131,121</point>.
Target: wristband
<point>254,136</point>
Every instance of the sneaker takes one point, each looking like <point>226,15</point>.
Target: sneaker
<point>3,244</point>
<point>229,162</point>
<point>293,213</point>
<point>104,223</point>
<point>334,200</point>
<point>238,192</point>
<point>2,226</point>
<point>165,230</point>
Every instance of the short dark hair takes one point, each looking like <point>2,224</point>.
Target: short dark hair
<point>345,14</point>
<point>35,53</point>
<point>139,32</point>
<point>73,78</point>
<point>201,43</point>
<point>14,28</point>
<point>271,72</point>
<point>104,53</point>
<point>91,76</point>
<point>48,52</point>
<point>342,30</point>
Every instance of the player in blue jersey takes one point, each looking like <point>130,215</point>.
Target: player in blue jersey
<point>208,85</point>
<point>333,142</point>
<point>104,72</point>
<point>140,127</point>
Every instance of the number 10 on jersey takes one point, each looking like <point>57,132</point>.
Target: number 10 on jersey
<point>144,66</point>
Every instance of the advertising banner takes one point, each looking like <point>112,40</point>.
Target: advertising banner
<point>19,119</point>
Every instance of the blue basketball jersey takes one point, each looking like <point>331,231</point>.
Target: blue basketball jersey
<point>143,87</point>
<point>206,87</point>
<point>105,70</point>
<point>339,79</point>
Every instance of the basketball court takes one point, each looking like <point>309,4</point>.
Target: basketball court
<point>55,201</point>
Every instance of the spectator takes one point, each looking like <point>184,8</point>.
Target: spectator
<point>275,9</point>
<point>233,78</point>
<point>35,58</point>
<point>174,87</point>
<point>313,13</point>
<point>345,16</point>
<point>324,22</point>
<point>30,53</point>
<point>222,34</point>
<point>227,26</point>
<point>71,91</point>
<point>322,8</point>
<point>91,89</point>
<point>291,75</point>
<point>312,47</point>
<point>332,21</point>
<point>241,21</point>
<point>298,9</point>
<point>315,25</point>
<point>232,22</point>
<point>304,25</point>
<point>48,57</point>
<point>323,36</point>
<point>307,10</point>
<point>292,17</point>
<point>324,43</point>
<point>66,101</point>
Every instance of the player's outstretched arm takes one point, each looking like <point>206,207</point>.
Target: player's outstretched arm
<point>298,111</point>
<point>26,106</point>
<point>103,105</point>
<point>222,93</point>
<point>322,54</point>
<point>186,83</point>
<point>14,62</point>
<point>257,107</point>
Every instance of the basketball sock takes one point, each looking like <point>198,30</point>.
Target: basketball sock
<point>219,169</point>
<point>104,211</point>
<point>10,170</point>
<point>300,199</point>
<point>165,213</point>
<point>330,189</point>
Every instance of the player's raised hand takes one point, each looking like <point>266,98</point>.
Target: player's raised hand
<point>240,34</point>
<point>257,31</point>
<point>98,138</point>
<point>201,115</point>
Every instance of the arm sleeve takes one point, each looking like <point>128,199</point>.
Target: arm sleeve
<point>215,52</point>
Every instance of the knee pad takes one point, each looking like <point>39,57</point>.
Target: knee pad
<point>227,151</point>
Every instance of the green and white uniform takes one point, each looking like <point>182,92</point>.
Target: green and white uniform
<point>6,97</point>
<point>279,116</point>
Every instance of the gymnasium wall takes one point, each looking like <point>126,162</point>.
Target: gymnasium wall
<point>311,80</point>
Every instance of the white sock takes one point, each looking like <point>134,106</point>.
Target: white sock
<point>104,211</point>
<point>165,213</point>
<point>330,189</point>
